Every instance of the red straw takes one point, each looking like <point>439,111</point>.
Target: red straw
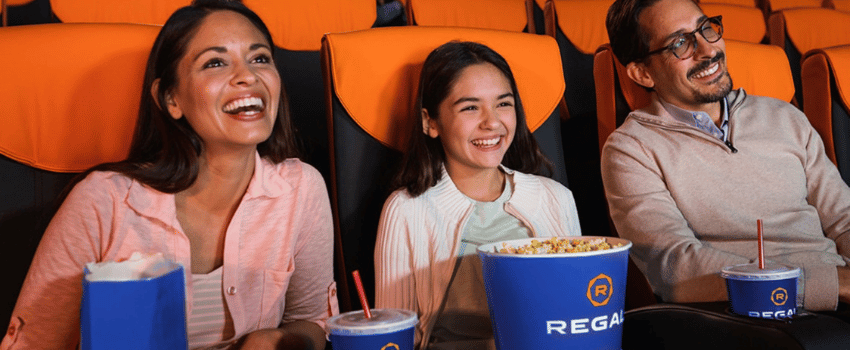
<point>363,301</point>
<point>761,245</point>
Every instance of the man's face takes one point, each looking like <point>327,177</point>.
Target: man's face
<point>690,83</point>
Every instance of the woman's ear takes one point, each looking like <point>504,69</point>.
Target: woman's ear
<point>429,126</point>
<point>170,104</point>
<point>639,73</point>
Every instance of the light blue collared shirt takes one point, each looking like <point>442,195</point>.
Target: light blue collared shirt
<point>701,120</point>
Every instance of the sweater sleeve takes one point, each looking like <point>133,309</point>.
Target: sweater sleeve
<point>679,267</point>
<point>827,191</point>
<point>395,285</point>
<point>47,313</point>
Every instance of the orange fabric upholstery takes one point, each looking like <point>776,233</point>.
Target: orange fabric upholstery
<point>841,5</point>
<point>534,60</point>
<point>759,69</point>
<point>76,90</point>
<point>581,21</point>
<point>742,3</point>
<point>739,22</point>
<point>810,28</point>
<point>109,11</point>
<point>299,25</point>
<point>510,15</point>
<point>820,69</point>
<point>779,5</point>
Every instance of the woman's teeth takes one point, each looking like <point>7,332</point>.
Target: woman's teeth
<point>244,104</point>
<point>486,142</point>
<point>708,71</point>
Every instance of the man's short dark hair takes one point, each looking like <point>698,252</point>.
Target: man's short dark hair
<point>628,40</point>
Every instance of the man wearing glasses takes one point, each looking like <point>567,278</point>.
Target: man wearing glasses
<point>688,177</point>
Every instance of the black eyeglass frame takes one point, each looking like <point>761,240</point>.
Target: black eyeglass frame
<point>702,27</point>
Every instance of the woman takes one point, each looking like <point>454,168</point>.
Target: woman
<point>465,182</point>
<point>210,182</point>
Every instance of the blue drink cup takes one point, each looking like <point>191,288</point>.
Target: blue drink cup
<point>765,293</point>
<point>388,329</point>
<point>556,301</point>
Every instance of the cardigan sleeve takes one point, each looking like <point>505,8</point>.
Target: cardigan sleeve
<point>395,284</point>
<point>47,313</point>
<point>679,267</point>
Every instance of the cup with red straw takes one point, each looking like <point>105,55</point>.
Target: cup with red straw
<point>761,289</point>
<point>372,328</point>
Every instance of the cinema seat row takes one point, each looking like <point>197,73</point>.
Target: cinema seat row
<point>352,89</point>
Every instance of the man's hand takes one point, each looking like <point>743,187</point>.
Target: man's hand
<point>844,284</point>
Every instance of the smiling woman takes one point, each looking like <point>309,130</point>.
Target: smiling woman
<point>212,183</point>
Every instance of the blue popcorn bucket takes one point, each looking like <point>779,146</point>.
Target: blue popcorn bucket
<point>388,329</point>
<point>556,301</point>
<point>765,293</point>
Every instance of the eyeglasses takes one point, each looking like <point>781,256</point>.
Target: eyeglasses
<point>684,45</point>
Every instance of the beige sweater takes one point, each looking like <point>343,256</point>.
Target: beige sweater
<point>690,205</point>
<point>418,239</point>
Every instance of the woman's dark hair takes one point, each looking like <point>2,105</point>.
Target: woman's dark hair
<point>164,151</point>
<point>628,40</point>
<point>422,165</point>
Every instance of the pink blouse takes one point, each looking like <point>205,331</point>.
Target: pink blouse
<point>278,252</point>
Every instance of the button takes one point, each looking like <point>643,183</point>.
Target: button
<point>231,290</point>
<point>333,292</point>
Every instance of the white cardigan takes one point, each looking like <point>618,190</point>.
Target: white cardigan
<point>418,239</point>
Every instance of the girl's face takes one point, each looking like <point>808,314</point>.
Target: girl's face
<point>476,121</point>
<point>227,85</point>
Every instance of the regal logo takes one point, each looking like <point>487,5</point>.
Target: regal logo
<point>390,346</point>
<point>779,296</point>
<point>599,290</point>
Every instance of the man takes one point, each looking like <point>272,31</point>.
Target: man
<point>688,177</point>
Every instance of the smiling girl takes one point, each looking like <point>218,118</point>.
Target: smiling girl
<point>466,180</point>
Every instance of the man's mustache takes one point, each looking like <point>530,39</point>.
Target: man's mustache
<point>705,64</point>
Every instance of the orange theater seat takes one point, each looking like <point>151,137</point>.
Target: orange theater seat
<point>826,87</point>
<point>771,6</point>
<point>510,15</point>
<point>371,87</point>
<point>109,11</point>
<point>578,26</point>
<point>742,23</point>
<point>841,5</point>
<point>800,30</point>
<point>70,100</point>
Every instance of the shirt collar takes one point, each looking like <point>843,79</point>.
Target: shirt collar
<point>265,182</point>
<point>700,119</point>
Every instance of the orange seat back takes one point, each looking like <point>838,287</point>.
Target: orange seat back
<point>380,99</point>
<point>300,25</point>
<point>810,28</point>
<point>509,15</point>
<point>71,101</point>
<point>581,21</point>
<point>110,11</point>
<point>826,77</point>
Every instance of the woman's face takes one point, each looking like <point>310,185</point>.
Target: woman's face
<point>477,120</point>
<point>227,87</point>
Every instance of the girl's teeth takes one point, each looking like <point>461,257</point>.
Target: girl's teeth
<point>486,143</point>
<point>254,102</point>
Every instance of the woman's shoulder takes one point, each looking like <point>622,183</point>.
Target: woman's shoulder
<point>296,171</point>
<point>104,182</point>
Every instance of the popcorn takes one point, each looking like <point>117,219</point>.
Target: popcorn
<point>555,245</point>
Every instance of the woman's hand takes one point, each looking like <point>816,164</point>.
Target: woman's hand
<point>294,335</point>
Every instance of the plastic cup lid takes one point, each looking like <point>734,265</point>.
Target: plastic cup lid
<point>383,321</point>
<point>771,271</point>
